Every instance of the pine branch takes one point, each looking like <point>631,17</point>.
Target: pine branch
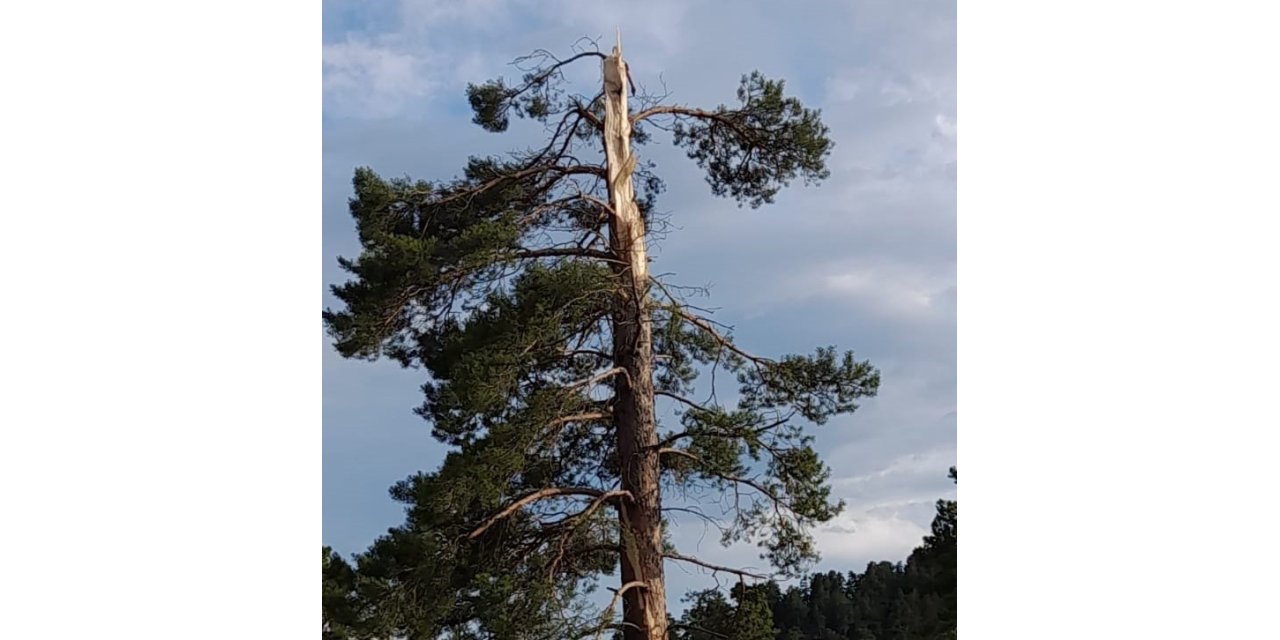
<point>566,252</point>
<point>529,170</point>
<point>723,117</point>
<point>673,438</point>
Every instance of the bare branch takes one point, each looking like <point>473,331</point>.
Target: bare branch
<point>549,71</point>
<point>592,508</point>
<point>683,400</point>
<point>588,352</point>
<point>605,206</point>
<point>713,567</point>
<point>587,115</point>
<point>598,377</point>
<point>679,625</point>
<point>706,518</point>
<point>679,452</point>
<point>680,301</point>
<point>705,325</point>
<point>542,494</point>
<point>613,603</point>
<point>778,501</point>
<point>580,417</point>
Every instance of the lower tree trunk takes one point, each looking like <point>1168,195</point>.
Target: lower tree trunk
<point>644,608</point>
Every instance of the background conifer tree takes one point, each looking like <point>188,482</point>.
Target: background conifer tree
<point>887,601</point>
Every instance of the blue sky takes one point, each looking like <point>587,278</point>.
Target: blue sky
<point>865,261</point>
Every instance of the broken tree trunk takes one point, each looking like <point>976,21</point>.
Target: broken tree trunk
<point>644,609</point>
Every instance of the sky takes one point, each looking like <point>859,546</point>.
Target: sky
<point>865,261</point>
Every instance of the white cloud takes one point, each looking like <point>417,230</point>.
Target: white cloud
<point>894,290</point>
<point>842,88</point>
<point>945,127</point>
<point>853,539</point>
<point>426,52</point>
<point>888,509</point>
<point>902,470</point>
<point>363,78</point>
<point>474,14</point>
<point>901,294</point>
<point>881,86</point>
<point>657,28</point>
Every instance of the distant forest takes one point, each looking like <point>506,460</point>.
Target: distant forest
<point>915,600</point>
<point>912,600</point>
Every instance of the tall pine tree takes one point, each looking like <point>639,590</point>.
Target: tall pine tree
<point>522,290</point>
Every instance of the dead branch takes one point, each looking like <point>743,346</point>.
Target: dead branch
<point>714,567</point>
<point>778,501</point>
<point>547,72</point>
<point>683,400</point>
<point>591,508</point>
<point>580,417</point>
<point>679,625</point>
<point>705,325</point>
<point>598,377</point>
<point>613,603</point>
<point>542,494</point>
<point>712,521</point>
<point>680,452</point>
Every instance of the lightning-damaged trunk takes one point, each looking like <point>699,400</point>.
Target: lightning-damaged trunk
<point>491,282</point>
<point>640,525</point>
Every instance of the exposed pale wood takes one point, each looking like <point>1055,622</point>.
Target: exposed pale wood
<point>644,609</point>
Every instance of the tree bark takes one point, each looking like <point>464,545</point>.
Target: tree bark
<point>644,609</point>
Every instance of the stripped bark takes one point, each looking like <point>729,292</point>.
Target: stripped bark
<point>644,609</point>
